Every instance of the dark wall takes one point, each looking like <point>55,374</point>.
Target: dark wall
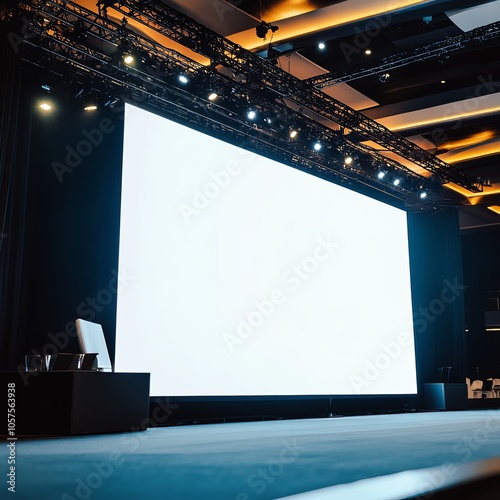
<point>481,250</point>
<point>438,295</point>
<point>73,223</point>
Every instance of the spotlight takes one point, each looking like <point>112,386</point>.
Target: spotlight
<point>317,146</point>
<point>45,106</point>
<point>183,79</point>
<point>423,195</point>
<point>128,58</point>
<point>90,107</point>
<point>262,29</point>
<point>397,182</point>
<point>368,52</point>
<point>381,175</point>
<point>251,114</point>
<point>384,77</point>
<point>212,96</point>
<point>321,46</point>
<point>348,160</point>
<point>293,133</point>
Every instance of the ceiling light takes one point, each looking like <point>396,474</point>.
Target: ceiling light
<point>443,81</point>
<point>128,58</point>
<point>321,46</point>
<point>397,182</point>
<point>423,195</point>
<point>348,160</point>
<point>317,146</point>
<point>45,106</point>
<point>212,96</point>
<point>381,174</point>
<point>384,77</point>
<point>293,133</point>
<point>251,114</point>
<point>183,79</point>
<point>368,52</point>
<point>90,107</point>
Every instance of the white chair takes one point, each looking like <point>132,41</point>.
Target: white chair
<point>91,340</point>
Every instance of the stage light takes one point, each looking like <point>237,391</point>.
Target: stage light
<point>79,32</point>
<point>384,77</point>
<point>45,106</point>
<point>128,58</point>
<point>423,195</point>
<point>251,114</point>
<point>368,52</point>
<point>397,182</point>
<point>90,107</point>
<point>321,46</point>
<point>212,96</point>
<point>381,174</point>
<point>293,133</point>
<point>317,146</point>
<point>262,29</point>
<point>183,79</point>
<point>348,160</point>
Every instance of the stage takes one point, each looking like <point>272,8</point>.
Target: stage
<point>247,460</point>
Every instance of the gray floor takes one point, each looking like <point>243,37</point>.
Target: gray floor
<point>242,461</point>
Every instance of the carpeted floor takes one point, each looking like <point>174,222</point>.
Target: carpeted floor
<point>242,461</point>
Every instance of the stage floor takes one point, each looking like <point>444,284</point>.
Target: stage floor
<point>249,460</point>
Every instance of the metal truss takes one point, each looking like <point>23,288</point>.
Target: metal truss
<point>264,74</point>
<point>442,48</point>
<point>73,43</point>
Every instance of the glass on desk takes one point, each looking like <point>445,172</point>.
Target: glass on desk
<point>35,363</point>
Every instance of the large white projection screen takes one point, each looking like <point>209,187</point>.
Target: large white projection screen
<point>242,276</point>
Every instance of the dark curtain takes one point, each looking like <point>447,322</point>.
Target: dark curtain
<point>14,153</point>
<point>438,296</point>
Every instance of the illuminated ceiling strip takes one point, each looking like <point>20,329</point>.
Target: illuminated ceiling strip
<point>444,113</point>
<point>326,18</point>
<point>478,150</point>
<point>495,208</point>
<point>474,199</point>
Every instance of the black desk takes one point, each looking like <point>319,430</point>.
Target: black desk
<point>63,403</point>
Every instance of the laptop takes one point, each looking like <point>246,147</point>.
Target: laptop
<point>91,340</point>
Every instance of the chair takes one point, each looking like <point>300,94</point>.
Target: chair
<point>91,340</point>
<point>477,389</point>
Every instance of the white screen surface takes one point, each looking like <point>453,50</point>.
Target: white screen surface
<point>242,276</point>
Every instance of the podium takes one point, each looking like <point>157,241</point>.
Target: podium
<point>445,396</point>
<point>64,403</point>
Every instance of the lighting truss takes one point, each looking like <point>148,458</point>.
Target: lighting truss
<point>263,74</point>
<point>442,48</point>
<point>52,47</point>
